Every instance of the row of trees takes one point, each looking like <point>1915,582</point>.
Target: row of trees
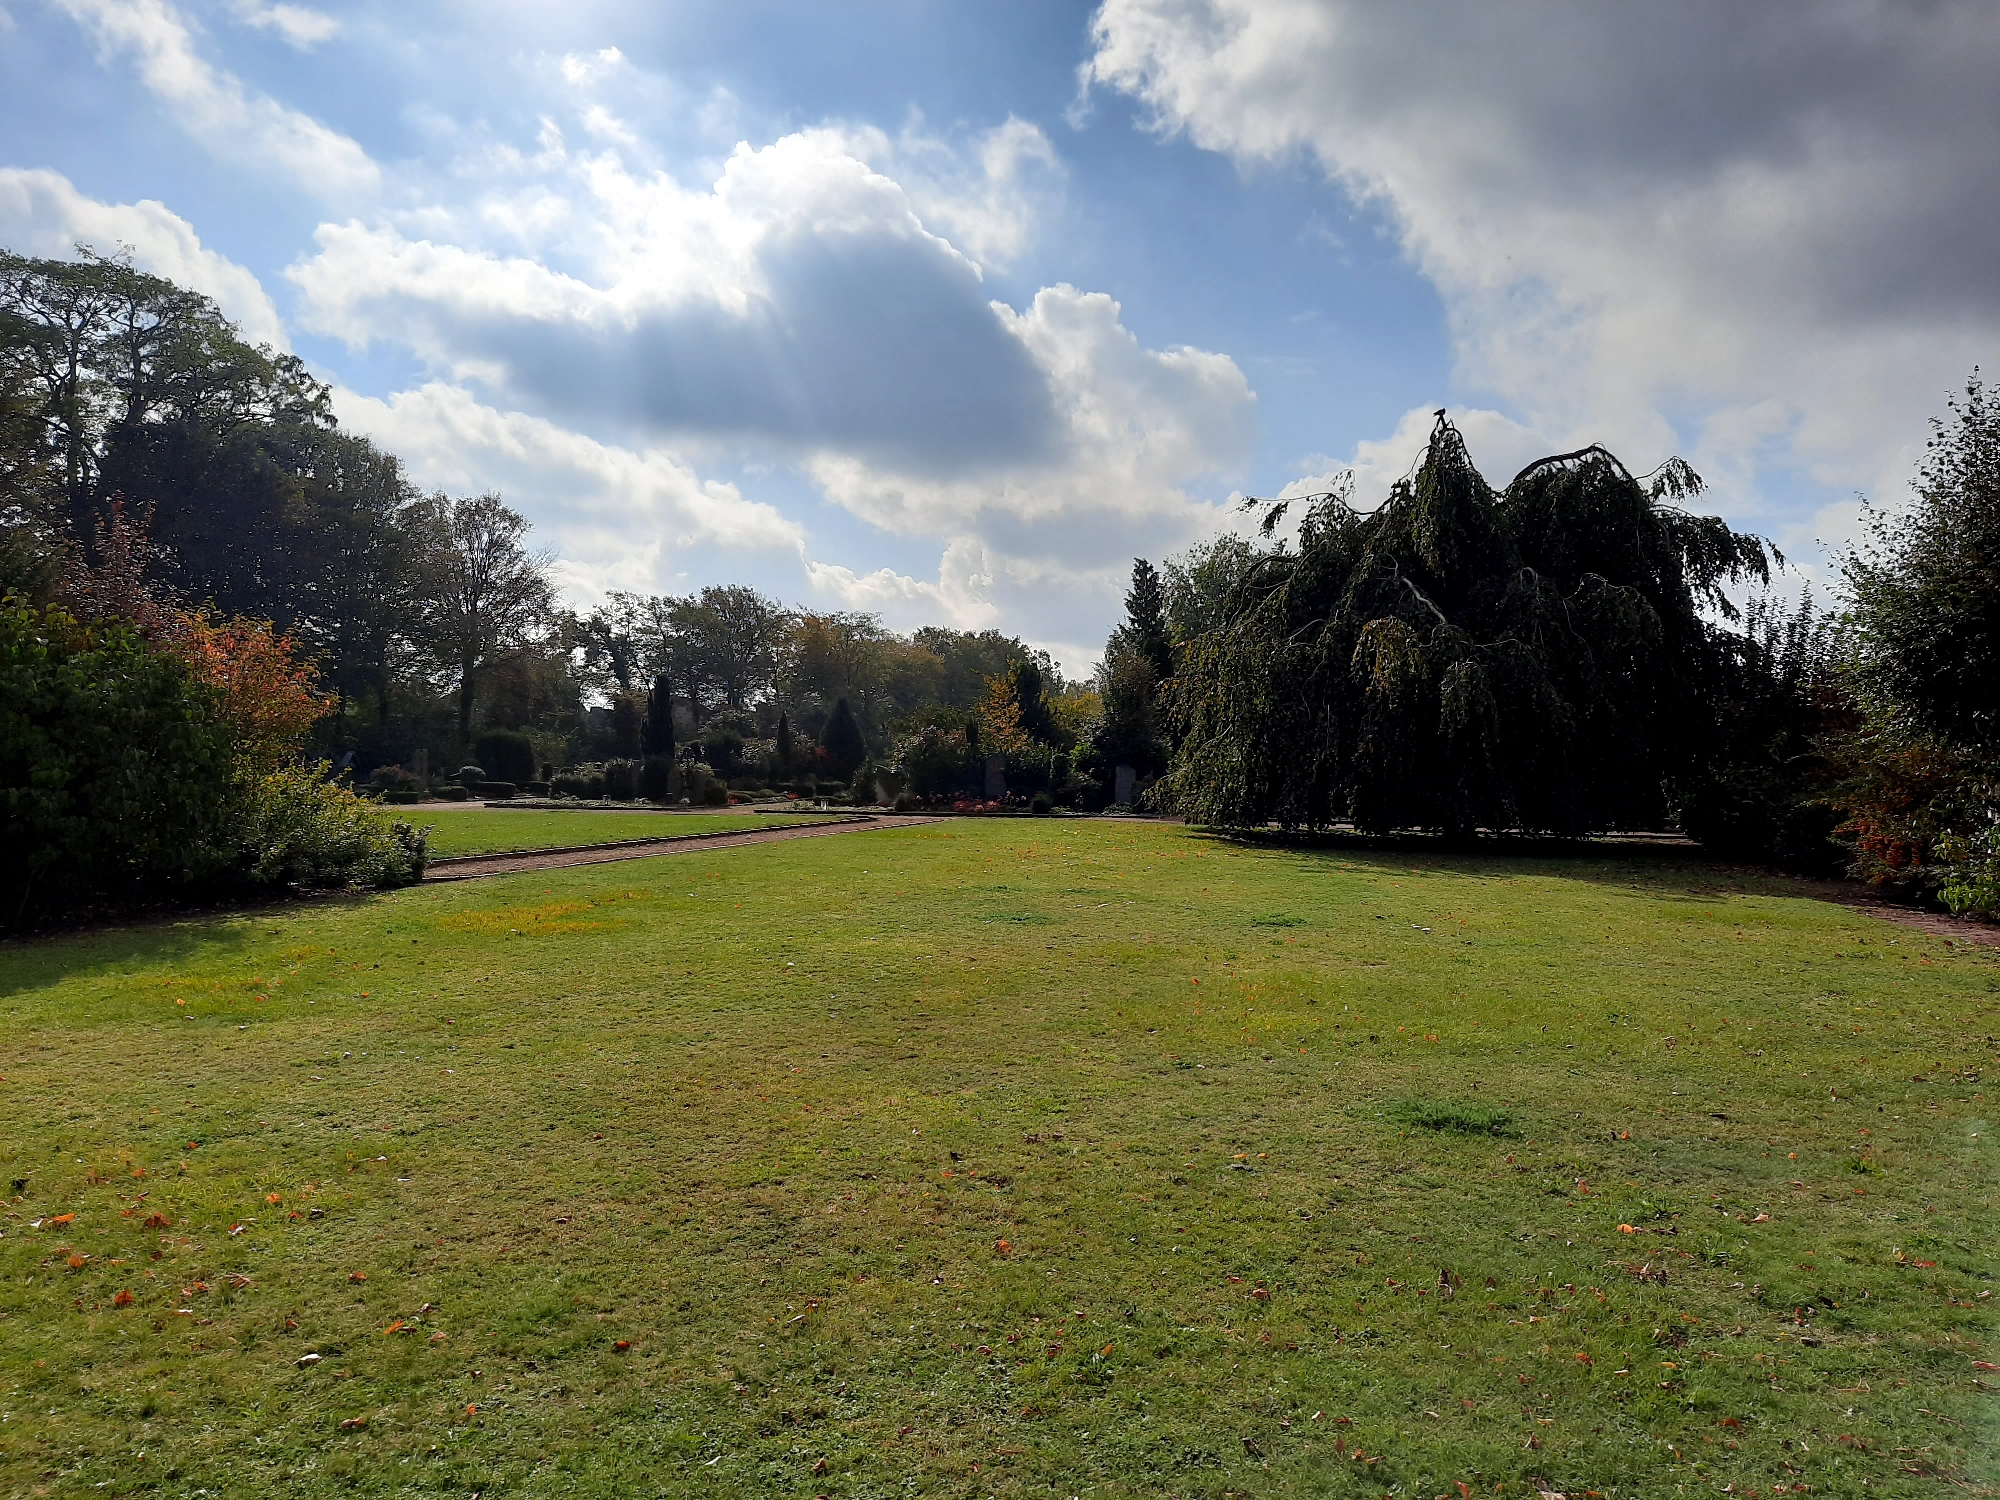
<point>430,618</point>
<point>1566,655</point>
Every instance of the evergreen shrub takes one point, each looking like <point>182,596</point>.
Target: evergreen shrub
<point>507,755</point>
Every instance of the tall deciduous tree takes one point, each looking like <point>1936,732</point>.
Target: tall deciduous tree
<point>1926,588</point>
<point>480,593</point>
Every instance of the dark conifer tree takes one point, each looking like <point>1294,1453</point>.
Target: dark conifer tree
<point>1145,627</point>
<point>842,741</point>
<point>659,732</point>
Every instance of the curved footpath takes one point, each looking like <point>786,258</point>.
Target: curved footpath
<point>476,866</point>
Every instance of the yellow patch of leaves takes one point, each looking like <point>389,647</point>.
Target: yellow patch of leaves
<point>547,919</point>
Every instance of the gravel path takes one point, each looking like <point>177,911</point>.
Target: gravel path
<point>476,866</point>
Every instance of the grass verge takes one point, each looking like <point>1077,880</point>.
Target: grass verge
<point>1004,1159</point>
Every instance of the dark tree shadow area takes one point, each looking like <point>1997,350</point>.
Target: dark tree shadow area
<point>1663,866</point>
<point>112,944</point>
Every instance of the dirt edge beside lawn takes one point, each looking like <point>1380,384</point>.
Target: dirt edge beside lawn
<point>478,866</point>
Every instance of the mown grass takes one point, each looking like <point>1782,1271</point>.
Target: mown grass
<point>1005,1159</point>
<point>493,830</point>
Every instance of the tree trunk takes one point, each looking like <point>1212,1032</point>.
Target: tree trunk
<point>465,689</point>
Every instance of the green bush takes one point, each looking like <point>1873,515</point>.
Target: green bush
<point>657,780</point>
<point>121,782</point>
<point>452,793</point>
<point>621,780</point>
<point>296,827</point>
<point>585,782</point>
<point>507,755</point>
<point>497,791</point>
<point>1971,885</point>
<point>117,776</point>
<point>715,794</point>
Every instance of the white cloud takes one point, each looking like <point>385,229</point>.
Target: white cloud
<point>988,200</point>
<point>583,68</point>
<point>619,517</point>
<point>1133,426</point>
<point>961,596</point>
<point>804,308</point>
<point>295,25</point>
<point>800,300</point>
<point>214,107</point>
<point>42,214</point>
<point>1766,229</point>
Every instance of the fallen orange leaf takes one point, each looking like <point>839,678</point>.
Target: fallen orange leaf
<point>59,1219</point>
<point>357,1275</point>
<point>123,1299</point>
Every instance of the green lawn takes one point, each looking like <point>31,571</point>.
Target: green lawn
<point>1076,1159</point>
<point>481,830</point>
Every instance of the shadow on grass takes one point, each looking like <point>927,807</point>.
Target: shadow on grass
<point>1668,867</point>
<point>166,934</point>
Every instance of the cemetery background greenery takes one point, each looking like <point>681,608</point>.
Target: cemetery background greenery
<point>818,1129</point>
<point>189,542</point>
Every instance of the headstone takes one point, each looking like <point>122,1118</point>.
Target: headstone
<point>996,777</point>
<point>1123,784</point>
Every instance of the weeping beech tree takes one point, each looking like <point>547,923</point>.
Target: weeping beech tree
<point>1457,660</point>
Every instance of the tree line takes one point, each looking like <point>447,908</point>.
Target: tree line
<point>1567,655</point>
<point>129,403</point>
<point>1577,651</point>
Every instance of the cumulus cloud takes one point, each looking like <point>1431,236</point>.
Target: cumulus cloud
<point>619,517</point>
<point>42,213</point>
<point>1133,425</point>
<point>1767,229</point>
<point>821,303</point>
<point>799,300</point>
<point>986,196</point>
<point>295,25</point>
<point>213,105</point>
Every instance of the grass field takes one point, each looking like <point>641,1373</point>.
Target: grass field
<point>483,830</point>
<point>1076,1159</point>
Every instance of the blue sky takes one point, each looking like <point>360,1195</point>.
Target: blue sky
<point>947,312</point>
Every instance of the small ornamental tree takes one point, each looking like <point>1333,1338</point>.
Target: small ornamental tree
<point>627,722</point>
<point>506,755</point>
<point>842,741</point>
